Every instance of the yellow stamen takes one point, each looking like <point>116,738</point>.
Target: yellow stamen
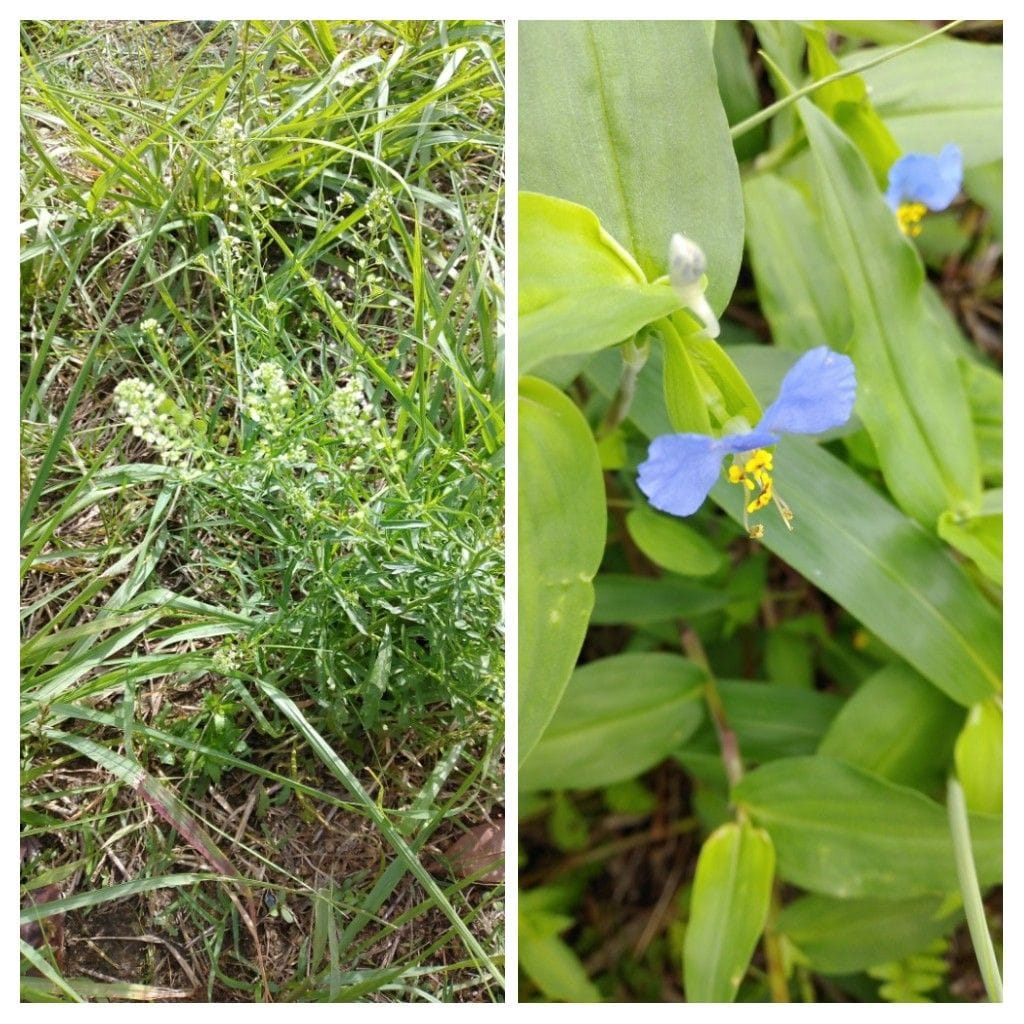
<point>909,216</point>
<point>753,471</point>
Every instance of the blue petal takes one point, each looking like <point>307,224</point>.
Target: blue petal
<point>682,468</point>
<point>817,394</point>
<point>932,180</point>
<point>679,471</point>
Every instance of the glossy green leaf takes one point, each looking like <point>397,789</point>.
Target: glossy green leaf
<point>895,577</point>
<point>579,290</point>
<point>897,726</point>
<point>979,536</point>
<point>845,936</point>
<point>909,393</point>
<point>979,759</point>
<point>689,392</point>
<point>619,717</point>
<point>841,831</point>
<point>967,110</point>
<point>727,390</point>
<point>669,543</point>
<point>638,600</point>
<point>798,283</point>
<point>732,890</point>
<point>630,124</point>
<point>562,525</point>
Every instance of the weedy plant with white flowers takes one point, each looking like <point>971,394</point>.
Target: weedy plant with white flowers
<point>262,509</point>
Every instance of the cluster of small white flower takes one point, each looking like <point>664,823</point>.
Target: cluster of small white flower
<point>227,144</point>
<point>359,428</point>
<point>351,412</point>
<point>226,659</point>
<point>270,402</point>
<point>154,417</point>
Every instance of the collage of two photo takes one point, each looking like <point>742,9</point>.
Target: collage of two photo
<point>511,511</point>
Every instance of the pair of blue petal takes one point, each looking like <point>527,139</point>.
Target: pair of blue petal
<point>932,180</point>
<point>816,395</point>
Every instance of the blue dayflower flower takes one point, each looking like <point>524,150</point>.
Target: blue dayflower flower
<point>816,395</point>
<point>920,182</point>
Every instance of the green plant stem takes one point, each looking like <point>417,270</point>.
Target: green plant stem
<point>777,984</point>
<point>960,830</point>
<point>634,357</point>
<point>770,111</point>
<point>727,741</point>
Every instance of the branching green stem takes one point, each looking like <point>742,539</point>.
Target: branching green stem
<point>770,111</point>
<point>985,952</point>
<point>634,357</point>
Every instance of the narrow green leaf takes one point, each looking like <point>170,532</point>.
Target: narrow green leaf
<point>898,726</point>
<point>669,543</point>
<point>848,103</point>
<point>798,283</point>
<point>562,524</point>
<point>619,716</point>
<point>630,124</point>
<point>841,831</point>
<point>909,393</point>
<point>728,909</point>
<point>579,290</point>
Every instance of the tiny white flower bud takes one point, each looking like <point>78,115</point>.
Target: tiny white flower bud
<point>687,265</point>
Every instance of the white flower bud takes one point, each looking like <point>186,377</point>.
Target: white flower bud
<point>687,265</point>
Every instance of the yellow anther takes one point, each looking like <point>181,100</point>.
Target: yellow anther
<point>754,473</point>
<point>909,216</point>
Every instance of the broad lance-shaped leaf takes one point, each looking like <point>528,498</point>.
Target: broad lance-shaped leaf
<point>841,831</point>
<point>897,726</point>
<point>895,577</point>
<point>845,936</point>
<point>909,392</point>
<point>630,124</point>
<point>732,890</point>
<point>619,716</point>
<point>562,522</point>
<point>579,290</point>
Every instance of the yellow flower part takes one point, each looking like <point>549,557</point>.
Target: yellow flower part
<point>754,471</point>
<point>909,216</point>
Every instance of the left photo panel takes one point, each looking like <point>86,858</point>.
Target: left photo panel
<point>262,511</point>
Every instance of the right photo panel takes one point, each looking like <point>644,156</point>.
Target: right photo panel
<point>760,511</point>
